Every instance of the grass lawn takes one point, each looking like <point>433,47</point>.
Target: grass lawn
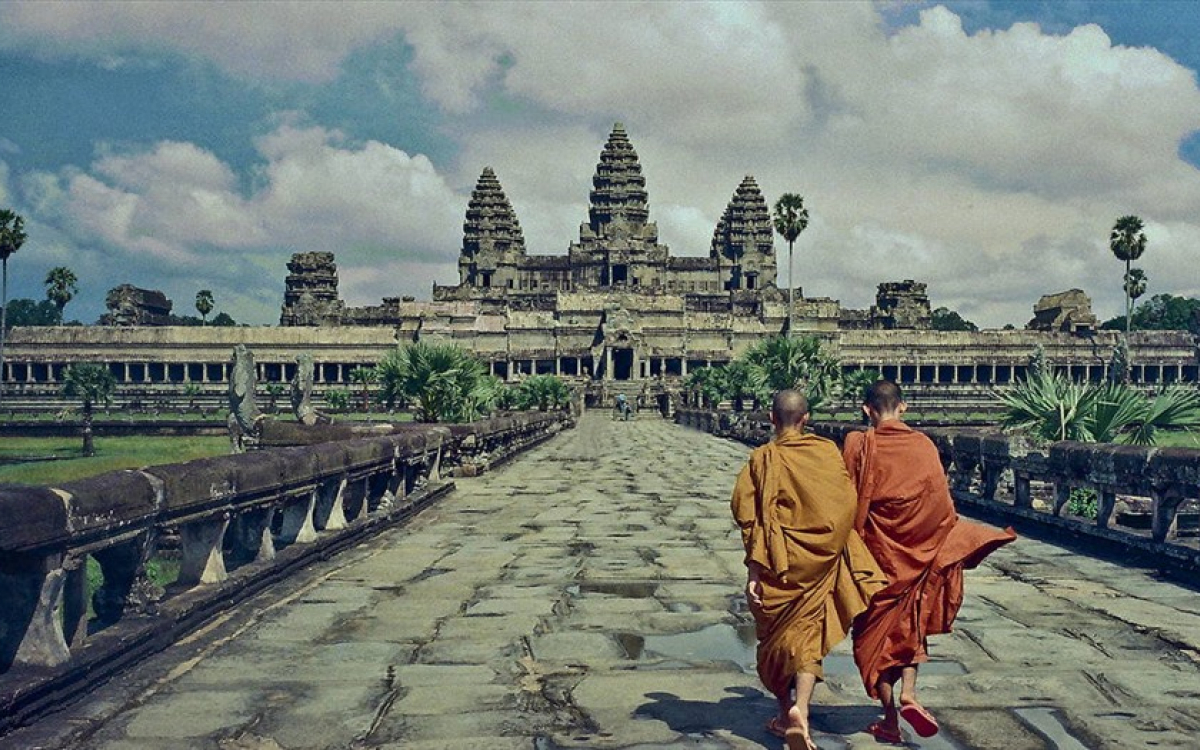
<point>112,453</point>
<point>1177,439</point>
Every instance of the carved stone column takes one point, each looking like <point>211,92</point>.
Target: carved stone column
<point>126,587</point>
<point>31,589</point>
<point>298,520</point>
<point>203,558</point>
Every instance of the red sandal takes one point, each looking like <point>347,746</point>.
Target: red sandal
<point>921,720</point>
<point>885,734</point>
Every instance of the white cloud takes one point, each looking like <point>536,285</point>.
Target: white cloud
<point>174,217</point>
<point>990,165</point>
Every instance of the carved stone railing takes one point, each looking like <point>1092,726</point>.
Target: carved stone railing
<point>239,522</point>
<point>980,461</point>
<point>480,446</point>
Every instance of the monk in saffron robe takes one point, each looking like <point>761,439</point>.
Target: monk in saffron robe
<point>809,574</point>
<point>907,518</point>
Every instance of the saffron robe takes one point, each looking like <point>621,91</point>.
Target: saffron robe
<point>795,506</point>
<point>907,518</point>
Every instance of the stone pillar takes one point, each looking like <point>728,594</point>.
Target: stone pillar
<point>203,559</point>
<point>1062,495</point>
<point>298,520</point>
<point>31,593</point>
<point>126,587</point>
<point>608,363</point>
<point>125,378</point>
<point>330,509</point>
<point>1021,496</point>
<point>683,365</point>
<point>74,606</point>
<point>1104,507</point>
<point>252,534</point>
<point>1164,504</point>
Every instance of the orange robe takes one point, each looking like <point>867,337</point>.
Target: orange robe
<point>795,507</point>
<point>907,519</point>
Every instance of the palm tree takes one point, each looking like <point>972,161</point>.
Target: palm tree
<point>204,304</point>
<point>61,287</point>
<point>543,392</point>
<point>364,376</point>
<point>92,384</point>
<point>1127,242</point>
<point>782,362</point>
<point>12,236</point>
<point>1135,284</point>
<point>1050,406</point>
<point>443,382</point>
<point>791,218</point>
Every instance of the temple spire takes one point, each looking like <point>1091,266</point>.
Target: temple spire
<point>618,189</point>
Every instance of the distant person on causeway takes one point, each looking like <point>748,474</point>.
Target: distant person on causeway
<point>907,519</point>
<point>808,573</point>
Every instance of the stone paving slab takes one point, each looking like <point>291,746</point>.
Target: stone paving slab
<point>588,595</point>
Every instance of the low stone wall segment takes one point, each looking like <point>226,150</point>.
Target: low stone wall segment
<point>979,460</point>
<point>241,523</point>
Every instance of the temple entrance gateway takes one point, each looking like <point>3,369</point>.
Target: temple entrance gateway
<point>622,364</point>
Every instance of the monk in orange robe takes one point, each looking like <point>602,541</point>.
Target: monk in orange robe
<point>809,574</point>
<point>907,518</point>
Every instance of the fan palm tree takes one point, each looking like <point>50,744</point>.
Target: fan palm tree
<point>781,362</point>
<point>543,392</point>
<point>1050,406</point>
<point>204,304</point>
<point>1135,284</point>
<point>1127,242</point>
<point>791,218</point>
<point>91,384</point>
<point>364,376</point>
<point>12,236</point>
<point>443,382</point>
<point>61,287</point>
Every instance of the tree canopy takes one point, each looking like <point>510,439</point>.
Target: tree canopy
<point>1162,312</point>
<point>945,319</point>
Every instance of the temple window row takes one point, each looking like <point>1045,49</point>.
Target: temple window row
<point>1002,374</point>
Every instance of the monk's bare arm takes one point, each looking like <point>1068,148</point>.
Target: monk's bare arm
<point>851,455</point>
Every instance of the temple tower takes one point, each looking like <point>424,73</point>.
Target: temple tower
<point>493,244</point>
<point>618,245</point>
<point>743,243</point>
<point>310,296</point>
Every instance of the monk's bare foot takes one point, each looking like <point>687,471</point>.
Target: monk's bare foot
<point>797,734</point>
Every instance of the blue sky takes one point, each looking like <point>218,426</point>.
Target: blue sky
<point>983,147</point>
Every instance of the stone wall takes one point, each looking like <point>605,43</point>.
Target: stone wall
<point>242,522</point>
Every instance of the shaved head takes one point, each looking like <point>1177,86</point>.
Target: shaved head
<point>789,408</point>
<point>883,397</point>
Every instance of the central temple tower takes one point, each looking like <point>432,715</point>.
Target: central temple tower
<point>618,245</point>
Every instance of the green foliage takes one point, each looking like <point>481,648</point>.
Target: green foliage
<point>775,364</point>
<point>90,383</point>
<point>945,319</point>
<point>337,398</point>
<point>204,303</point>
<point>27,312</point>
<point>120,452</point>
<point>61,288</point>
<point>1082,502</point>
<point>1128,243</point>
<point>541,392</point>
<point>12,233</point>
<point>442,382</point>
<point>364,377</point>
<point>1162,312</point>
<point>1050,406</point>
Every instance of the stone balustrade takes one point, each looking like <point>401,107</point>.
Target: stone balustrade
<point>240,523</point>
<point>979,462</point>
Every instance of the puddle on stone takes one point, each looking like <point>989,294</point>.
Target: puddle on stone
<point>1046,722</point>
<point>738,644</point>
<point>624,589</point>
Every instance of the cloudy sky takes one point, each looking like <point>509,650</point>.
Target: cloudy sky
<point>985,148</point>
